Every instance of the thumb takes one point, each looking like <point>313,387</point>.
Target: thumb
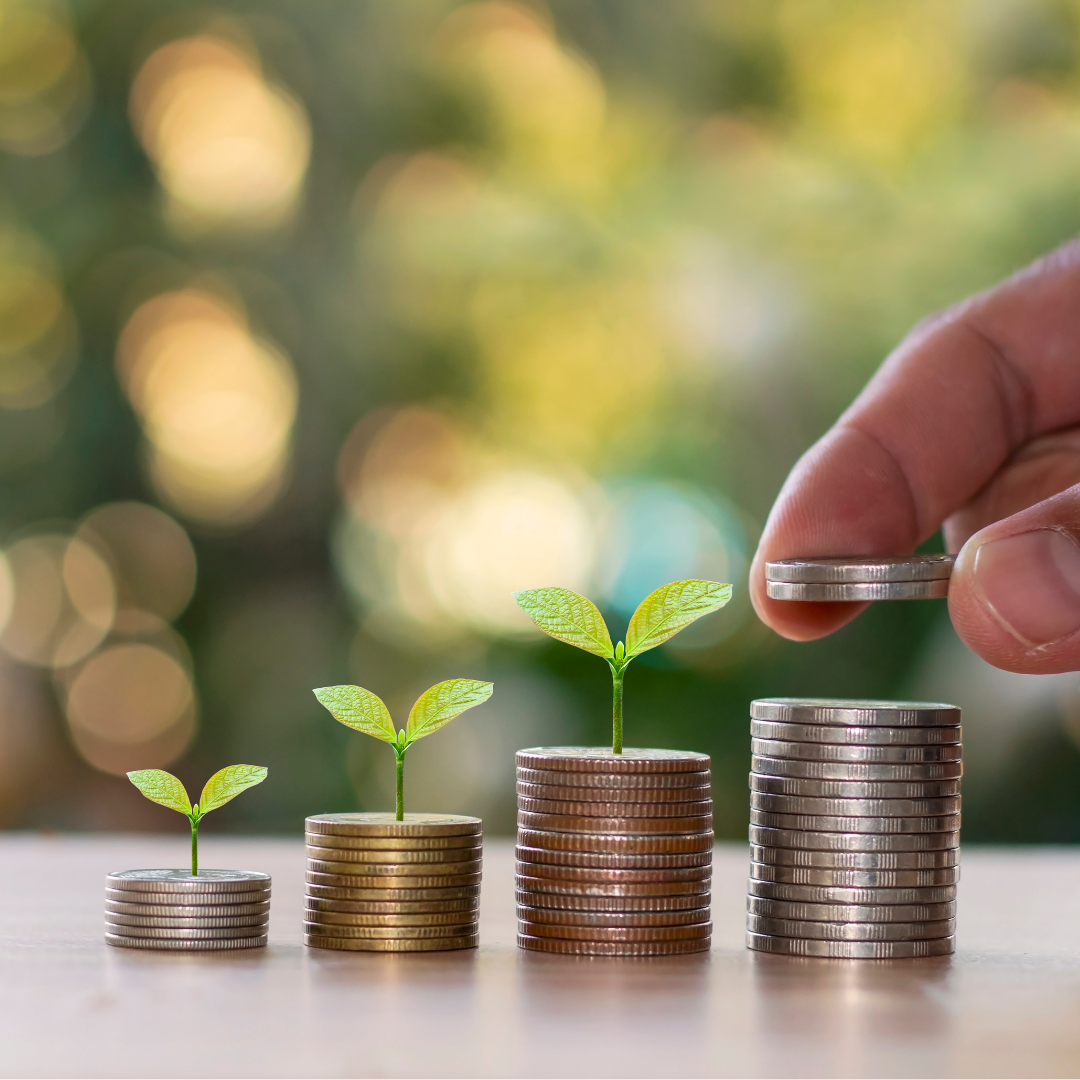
<point>1014,596</point>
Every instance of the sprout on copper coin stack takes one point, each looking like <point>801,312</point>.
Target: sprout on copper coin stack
<point>614,853</point>
<point>395,882</point>
<point>196,910</point>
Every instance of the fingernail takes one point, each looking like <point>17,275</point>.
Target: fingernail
<point>1031,584</point>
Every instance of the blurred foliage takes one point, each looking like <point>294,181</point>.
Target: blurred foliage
<point>396,307</point>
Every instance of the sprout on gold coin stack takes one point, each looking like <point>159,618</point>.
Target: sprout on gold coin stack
<point>395,882</point>
<point>614,854</point>
<point>854,833</point>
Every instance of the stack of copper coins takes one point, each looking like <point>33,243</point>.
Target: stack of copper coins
<point>854,828</point>
<point>376,884</point>
<point>614,851</point>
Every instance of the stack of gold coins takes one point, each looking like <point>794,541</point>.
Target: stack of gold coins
<point>171,909</point>
<point>376,884</point>
<point>614,851</point>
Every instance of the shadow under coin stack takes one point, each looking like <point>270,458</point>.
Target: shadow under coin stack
<point>375,884</point>
<point>614,851</point>
<point>854,834</point>
<point>170,909</point>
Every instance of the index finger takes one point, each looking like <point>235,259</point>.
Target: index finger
<point>931,428</point>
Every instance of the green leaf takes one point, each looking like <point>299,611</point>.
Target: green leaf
<point>444,701</point>
<point>227,783</point>
<point>358,708</point>
<point>663,613</point>
<point>162,787</point>
<point>568,616</point>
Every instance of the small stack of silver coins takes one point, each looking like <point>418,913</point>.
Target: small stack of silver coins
<point>170,909</point>
<point>854,834</point>
<point>614,851</point>
<point>376,884</point>
<point>853,578</point>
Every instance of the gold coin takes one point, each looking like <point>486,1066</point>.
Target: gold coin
<point>330,891</point>
<point>391,884</point>
<point>319,941</point>
<point>624,826</point>
<point>362,856</point>
<point>600,759</point>
<point>400,907</point>
<point>624,784</point>
<point>612,861</point>
<point>392,870</point>
<point>578,904</point>
<point>616,809</point>
<point>528,883</point>
<point>616,844</point>
<point>562,917</point>
<point>613,948</point>
<point>689,932</point>
<point>645,796</point>
<point>628,877</point>
<point>386,825</point>
<point>344,918</point>
<point>395,843</point>
<point>398,933</point>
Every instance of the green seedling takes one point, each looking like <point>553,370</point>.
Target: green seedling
<point>162,787</point>
<point>575,619</point>
<point>364,711</point>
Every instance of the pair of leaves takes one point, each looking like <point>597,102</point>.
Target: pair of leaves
<point>364,711</point>
<point>164,788</point>
<point>575,619</point>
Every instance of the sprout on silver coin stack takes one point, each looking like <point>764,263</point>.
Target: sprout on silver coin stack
<point>395,882</point>
<point>187,911</point>
<point>614,853</point>
<point>854,834</point>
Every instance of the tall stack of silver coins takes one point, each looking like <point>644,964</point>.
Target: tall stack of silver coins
<point>854,834</point>
<point>614,851</point>
<point>171,909</point>
<point>376,884</point>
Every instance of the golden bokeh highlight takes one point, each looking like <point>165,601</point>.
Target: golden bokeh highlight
<point>229,147</point>
<point>44,78</point>
<point>63,601</point>
<point>216,402</point>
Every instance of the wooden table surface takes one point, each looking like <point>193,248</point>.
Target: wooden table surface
<point>1007,1004</point>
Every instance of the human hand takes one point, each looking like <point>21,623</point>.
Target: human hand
<point>974,423</point>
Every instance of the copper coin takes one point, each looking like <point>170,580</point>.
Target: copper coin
<point>561,917</point>
<point>386,825</point>
<point>620,809</point>
<point>620,782</point>
<point>868,879</point>
<point>613,843</point>
<point>856,860</point>
<point>615,877</point>
<point>576,903</point>
<point>625,826</point>
<point>528,882</point>
<point>329,891</point>
<point>613,948</point>
<point>640,796</point>
<point>600,759</point>
<point>321,941</point>
<point>612,861</point>
<point>616,933</point>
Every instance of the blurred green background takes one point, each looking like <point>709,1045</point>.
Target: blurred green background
<point>325,326</point>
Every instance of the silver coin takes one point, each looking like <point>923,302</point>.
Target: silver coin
<point>603,796</point>
<point>803,751</point>
<point>187,911</point>
<point>600,759</point>
<point>842,894</point>
<point>825,841</point>
<point>851,950</point>
<point>855,712</point>
<point>529,883</point>
<point>382,825</point>
<point>418,861</point>
<point>613,843</point>
<point>623,826</point>
<point>688,932</point>
<point>795,804</point>
<point>856,860</point>
<point>855,770</point>
<point>880,825</point>
<point>576,903</point>
<point>609,860</point>
<point>854,931</point>
<point>181,881</point>
<point>345,944</point>
<point>856,879</point>
<point>851,913</point>
<point>562,917</point>
<point>167,922</point>
<point>172,945</point>
<point>179,933</point>
<point>837,734</point>
<point>862,568</point>
<point>624,783</point>
<point>854,789</point>
<point>189,899</point>
<point>612,948</point>
<point>857,591</point>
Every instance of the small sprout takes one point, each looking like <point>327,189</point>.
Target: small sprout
<point>358,708</point>
<point>162,787</point>
<point>576,620</point>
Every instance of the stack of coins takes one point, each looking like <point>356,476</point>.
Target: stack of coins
<point>854,834</point>
<point>853,578</point>
<point>376,884</point>
<point>171,909</point>
<point>614,851</point>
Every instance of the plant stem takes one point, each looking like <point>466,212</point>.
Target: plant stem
<point>616,709</point>
<point>400,784</point>
<point>194,846</point>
